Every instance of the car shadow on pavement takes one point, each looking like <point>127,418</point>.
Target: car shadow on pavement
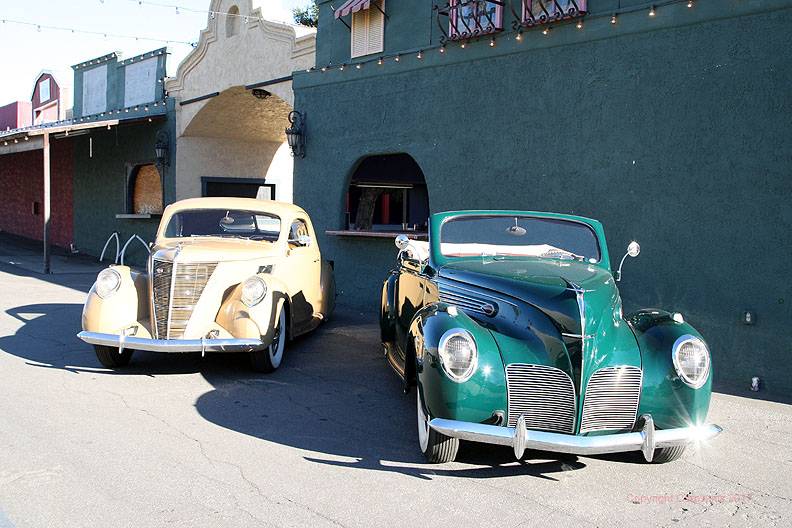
<point>336,398</point>
<point>48,339</point>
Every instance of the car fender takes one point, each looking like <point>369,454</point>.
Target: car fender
<point>258,321</point>
<point>122,309</point>
<point>670,401</point>
<point>387,318</point>
<point>482,398</point>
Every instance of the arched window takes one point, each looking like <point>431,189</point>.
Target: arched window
<point>232,21</point>
<point>387,193</point>
<point>145,190</point>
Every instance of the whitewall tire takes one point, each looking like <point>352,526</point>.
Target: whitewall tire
<point>270,358</point>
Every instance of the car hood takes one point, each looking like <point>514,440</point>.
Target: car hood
<point>548,284</point>
<point>581,299</point>
<point>213,250</point>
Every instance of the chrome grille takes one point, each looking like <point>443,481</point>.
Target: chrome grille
<point>161,273</point>
<point>544,395</point>
<point>176,290</point>
<point>189,281</point>
<point>611,401</point>
<point>466,302</point>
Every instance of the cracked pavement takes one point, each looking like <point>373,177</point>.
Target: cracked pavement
<point>328,440</point>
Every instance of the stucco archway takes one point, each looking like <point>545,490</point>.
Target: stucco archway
<point>224,130</point>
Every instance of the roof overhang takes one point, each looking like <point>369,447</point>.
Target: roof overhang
<point>30,138</point>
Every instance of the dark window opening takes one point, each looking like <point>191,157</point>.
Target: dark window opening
<point>237,187</point>
<point>387,193</point>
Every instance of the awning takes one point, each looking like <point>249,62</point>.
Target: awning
<point>352,6</point>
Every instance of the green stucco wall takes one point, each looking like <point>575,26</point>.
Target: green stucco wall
<point>100,189</point>
<point>673,132</point>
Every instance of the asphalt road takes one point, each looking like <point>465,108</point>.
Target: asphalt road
<point>327,440</point>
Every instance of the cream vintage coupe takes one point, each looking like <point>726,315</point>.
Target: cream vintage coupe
<point>224,275</point>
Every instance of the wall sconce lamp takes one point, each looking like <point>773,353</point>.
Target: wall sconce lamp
<point>295,134</point>
<point>161,148</point>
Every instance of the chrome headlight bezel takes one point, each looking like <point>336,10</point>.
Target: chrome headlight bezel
<point>695,383</point>
<point>254,290</point>
<point>108,282</point>
<point>445,359</point>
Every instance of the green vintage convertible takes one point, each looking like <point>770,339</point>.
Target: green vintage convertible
<point>510,325</point>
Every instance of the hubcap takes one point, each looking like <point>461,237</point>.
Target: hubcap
<point>423,423</point>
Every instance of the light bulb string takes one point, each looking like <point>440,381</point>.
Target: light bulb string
<point>104,34</point>
<point>518,34</point>
<point>178,8</point>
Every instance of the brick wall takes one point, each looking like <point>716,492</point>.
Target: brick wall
<point>21,184</point>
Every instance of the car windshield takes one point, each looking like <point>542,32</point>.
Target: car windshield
<point>518,236</point>
<point>252,225</point>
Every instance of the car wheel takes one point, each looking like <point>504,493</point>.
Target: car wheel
<point>269,359</point>
<point>436,447</point>
<point>110,358</point>
<point>667,454</point>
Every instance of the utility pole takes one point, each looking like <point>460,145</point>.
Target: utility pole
<point>46,203</point>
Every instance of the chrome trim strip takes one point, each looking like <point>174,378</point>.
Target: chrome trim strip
<point>171,345</point>
<point>645,440</point>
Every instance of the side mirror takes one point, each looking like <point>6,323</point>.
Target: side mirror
<point>402,242</point>
<point>633,250</point>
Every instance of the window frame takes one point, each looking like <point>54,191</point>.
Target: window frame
<point>132,169</point>
<point>376,5</point>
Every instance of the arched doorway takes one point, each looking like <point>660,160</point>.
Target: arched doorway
<point>387,193</point>
<point>236,139</point>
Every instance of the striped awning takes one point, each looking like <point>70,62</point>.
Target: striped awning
<point>352,6</point>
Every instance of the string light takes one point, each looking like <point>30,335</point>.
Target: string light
<point>358,65</point>
<point>442,48</point>
<point>492,42</point>
<point>420,55</point>
<point>397,58</point>
<point>41,27</point>
<point>579,24</point>
<point>518,37</point>
<point>652,11</point>
<point>342,67</point>
<point>463,45</point>
<point>212,14</point>
<point>690,3</point>
<point>613,19</point>
<point>546,30</point>
<point>379,61</point>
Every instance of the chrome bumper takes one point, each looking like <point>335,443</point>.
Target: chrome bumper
<point>170,345</point>
<point>520,438</point>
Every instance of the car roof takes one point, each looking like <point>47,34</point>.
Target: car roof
<point>283,209</point>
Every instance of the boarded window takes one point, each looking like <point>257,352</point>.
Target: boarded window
<point>368,30</point>
<point>146,190</point>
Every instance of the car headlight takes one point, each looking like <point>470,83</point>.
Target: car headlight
<point>107,283</point>
<point>691,360</point>
<point>254,290</point>
<point>458,354</point>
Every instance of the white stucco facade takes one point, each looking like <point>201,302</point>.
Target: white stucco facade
<point>233,134</point>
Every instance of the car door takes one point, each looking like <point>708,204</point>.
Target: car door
<point>304,270</point>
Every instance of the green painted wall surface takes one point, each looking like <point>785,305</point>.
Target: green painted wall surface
<point>672,132</point>
<point>100,191</point>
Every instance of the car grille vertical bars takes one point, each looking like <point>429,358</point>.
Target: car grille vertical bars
<point>611,401</point>
<point>176,289</point>
<point>189,281</point>
<point>161,274</point>
<point>544,395</point>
